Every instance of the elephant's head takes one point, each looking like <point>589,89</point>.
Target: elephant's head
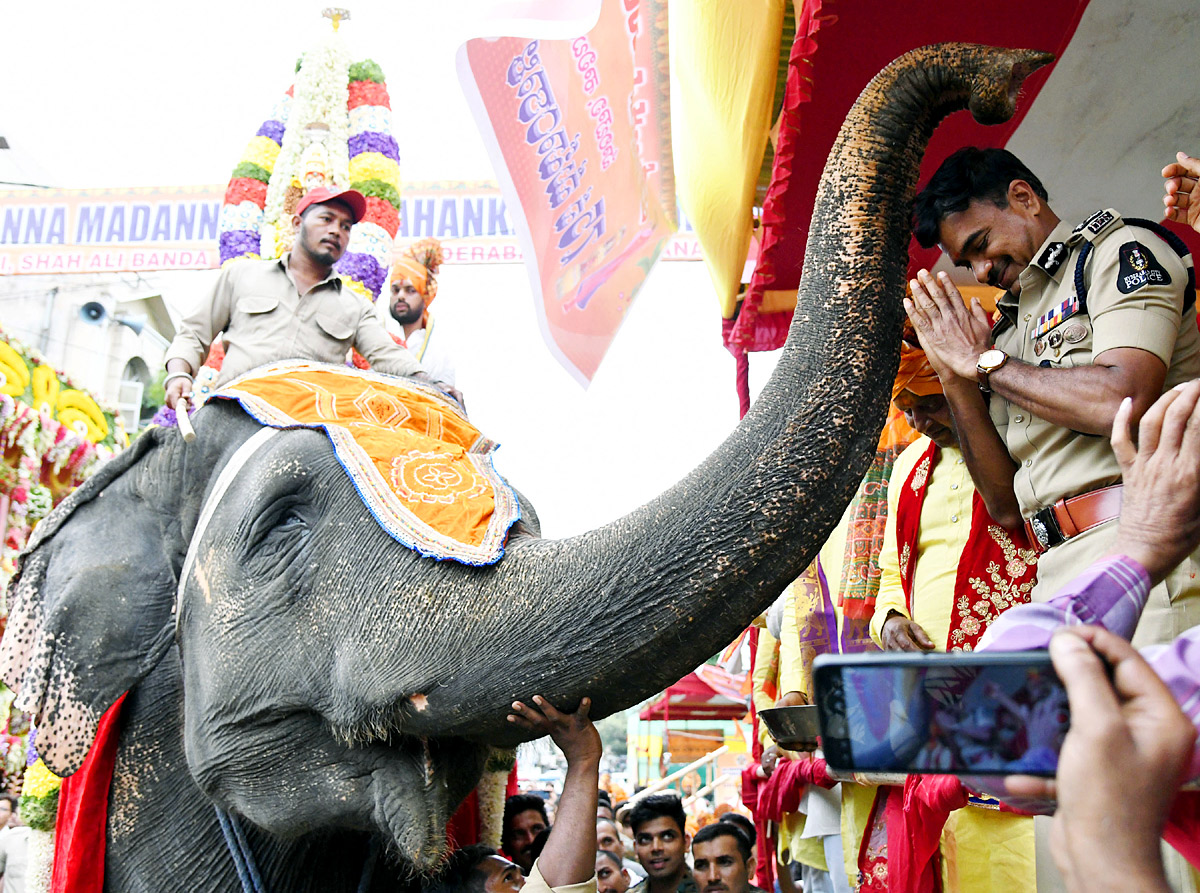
<point>294,629</point>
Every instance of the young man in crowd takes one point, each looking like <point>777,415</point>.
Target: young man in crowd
<point>611,874</point>
<point>608,838</point>
<point>524,819</point>
<point>660,840</point>
<point>721,860</point>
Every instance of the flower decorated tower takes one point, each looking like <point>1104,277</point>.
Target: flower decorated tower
<point>333,127</point>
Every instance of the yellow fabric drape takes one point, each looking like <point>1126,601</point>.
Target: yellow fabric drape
<point>724,63</point>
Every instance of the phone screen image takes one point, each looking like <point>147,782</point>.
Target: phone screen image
<point>943,713</point>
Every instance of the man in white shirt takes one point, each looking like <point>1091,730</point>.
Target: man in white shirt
<point>412,288</point>
<point>14,848</point>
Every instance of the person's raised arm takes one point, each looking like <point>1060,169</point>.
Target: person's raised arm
<point>1182,197</point>
<point>569,856</point>
<point>1159,524</point>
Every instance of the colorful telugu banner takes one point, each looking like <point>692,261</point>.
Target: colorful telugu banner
<point>577,130</point>
<point>51,231</point>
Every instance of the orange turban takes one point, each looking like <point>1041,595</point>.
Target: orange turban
<point>915,373</point>
<point>419,264</point>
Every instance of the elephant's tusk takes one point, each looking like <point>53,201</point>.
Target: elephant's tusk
<point>185,423</point>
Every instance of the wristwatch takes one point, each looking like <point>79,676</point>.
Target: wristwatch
<point>989,362</point>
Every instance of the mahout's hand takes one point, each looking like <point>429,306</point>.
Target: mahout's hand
<point>901,634</point>
<point>953,336</point>
<point>445,387</point>
<point>1182,197</point>
<point>574,733</point>
<point>1160,508</point>
<point>1120,765</point>
<point>176,388</point>
<point>453,392</point>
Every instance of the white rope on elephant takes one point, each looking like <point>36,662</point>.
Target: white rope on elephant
<point>224,480</point>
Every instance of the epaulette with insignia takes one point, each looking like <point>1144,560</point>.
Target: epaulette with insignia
<point>1095,227</point>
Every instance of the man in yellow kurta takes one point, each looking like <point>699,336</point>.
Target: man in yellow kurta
<point>947,570</point>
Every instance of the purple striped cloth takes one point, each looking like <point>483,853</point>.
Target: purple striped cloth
<point>1111,594</point>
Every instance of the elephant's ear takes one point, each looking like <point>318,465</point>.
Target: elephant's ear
<point>90,605</point>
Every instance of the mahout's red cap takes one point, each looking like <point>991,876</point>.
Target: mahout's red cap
<point>352,198</point>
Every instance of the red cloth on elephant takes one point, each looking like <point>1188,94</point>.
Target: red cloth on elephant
<point>463,828</point>
<point>83,814</point>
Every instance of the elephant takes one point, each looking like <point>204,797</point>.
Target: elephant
<point>290,663</point>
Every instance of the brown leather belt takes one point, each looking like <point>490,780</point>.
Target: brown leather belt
<point>1071,517</point>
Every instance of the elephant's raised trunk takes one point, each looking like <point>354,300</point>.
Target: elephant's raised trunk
<point>620,612</point>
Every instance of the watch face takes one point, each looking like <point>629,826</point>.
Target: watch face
<point>989,359</point>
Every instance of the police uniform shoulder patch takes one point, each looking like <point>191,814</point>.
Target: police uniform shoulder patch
<point>1139,267</point>
<point>1052,258</point>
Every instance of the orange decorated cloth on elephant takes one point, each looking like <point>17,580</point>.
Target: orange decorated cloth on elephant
<point>424,472</point>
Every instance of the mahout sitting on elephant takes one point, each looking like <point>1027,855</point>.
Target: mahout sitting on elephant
<point>336,692</point>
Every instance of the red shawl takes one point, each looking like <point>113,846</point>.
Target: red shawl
<point>997,569</point>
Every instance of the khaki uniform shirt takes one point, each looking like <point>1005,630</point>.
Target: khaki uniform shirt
<point>1135,286</point>
<point>265,319</point>
<point>535,883</point>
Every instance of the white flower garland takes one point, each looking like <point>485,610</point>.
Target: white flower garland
<point>320,95</point>
<point>39,861</point>
<point>246,215</point>
<point>281,109</point>
<point>491,790</point>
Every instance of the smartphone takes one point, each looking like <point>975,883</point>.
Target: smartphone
<point>959,714</point>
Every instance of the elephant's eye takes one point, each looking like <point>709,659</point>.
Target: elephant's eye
<point>289,520</point>
<point>283,517</point>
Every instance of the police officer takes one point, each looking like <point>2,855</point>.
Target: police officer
<point>1094,313</point>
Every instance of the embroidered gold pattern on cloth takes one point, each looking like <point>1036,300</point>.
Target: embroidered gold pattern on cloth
<point>1000,591</point>
<point>424,472</point>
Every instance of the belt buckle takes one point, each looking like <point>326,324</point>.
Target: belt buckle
<point>1045,528</point>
